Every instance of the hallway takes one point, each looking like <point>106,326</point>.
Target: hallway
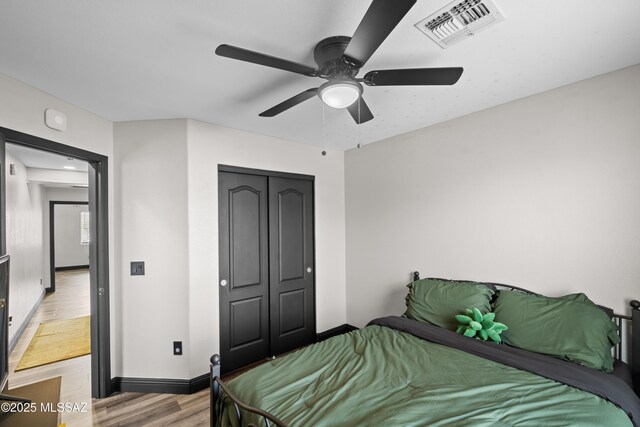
<point>70,300</point>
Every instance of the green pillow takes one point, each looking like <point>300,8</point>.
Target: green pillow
<point>583,298</point>
<point>437,301</point>
<point>570,327</point>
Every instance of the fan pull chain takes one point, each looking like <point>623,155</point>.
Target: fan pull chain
<point>324,133</point>
<point>358,124</point>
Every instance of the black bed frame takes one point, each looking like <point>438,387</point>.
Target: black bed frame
<point>220,395</point>
<point>628,331</point>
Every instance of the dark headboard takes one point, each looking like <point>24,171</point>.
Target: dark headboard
<point>4,320</point>
<point>635,344</point>
<point>623,322</point>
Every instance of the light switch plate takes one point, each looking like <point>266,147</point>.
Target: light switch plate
<point>137,268</point>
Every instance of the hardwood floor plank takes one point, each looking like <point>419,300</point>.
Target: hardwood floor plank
<point>144,414</point>
<point>124,410</point>
<point>153,410</point>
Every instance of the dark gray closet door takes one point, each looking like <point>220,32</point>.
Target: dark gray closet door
<point>244,269</point>
<point>291,264</point>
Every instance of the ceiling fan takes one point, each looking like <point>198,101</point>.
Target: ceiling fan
<point>340,58</point>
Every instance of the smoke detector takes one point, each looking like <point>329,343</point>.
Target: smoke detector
<point>457,20</point>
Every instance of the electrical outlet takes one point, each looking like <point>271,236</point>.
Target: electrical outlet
<point>137,268</point>
<point>177,348</point>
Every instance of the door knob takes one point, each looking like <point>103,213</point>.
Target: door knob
<point>223,282</point>
<point>309,269</point>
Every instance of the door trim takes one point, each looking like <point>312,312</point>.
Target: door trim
<point>263,172</point>
<point>52,247</point>
<point>98,250</point>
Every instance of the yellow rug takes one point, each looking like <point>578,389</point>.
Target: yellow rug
<point>57,340</point>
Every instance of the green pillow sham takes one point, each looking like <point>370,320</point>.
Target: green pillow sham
<point>572,327</point>
<point>437,301</point>
<point>583,298</point>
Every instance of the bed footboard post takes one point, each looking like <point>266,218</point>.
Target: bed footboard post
<point>214,390</point>
<point>635,344</point>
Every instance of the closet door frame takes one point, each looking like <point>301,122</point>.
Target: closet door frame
<point>278,174</point>
<point>263,172</point>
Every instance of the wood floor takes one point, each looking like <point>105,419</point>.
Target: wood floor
<point>152,409</point>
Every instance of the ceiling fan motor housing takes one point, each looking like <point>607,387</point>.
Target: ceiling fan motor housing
<point>328,54</point>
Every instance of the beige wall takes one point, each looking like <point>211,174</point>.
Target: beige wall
<point>542,192</point>
<point>25,218</point>
<point>151,212</point>
<point>68,251</point>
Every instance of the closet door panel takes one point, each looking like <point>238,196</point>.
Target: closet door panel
<point>244,269</point>
<point>291,264</point>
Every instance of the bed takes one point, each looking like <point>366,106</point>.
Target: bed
<point>399,371</point>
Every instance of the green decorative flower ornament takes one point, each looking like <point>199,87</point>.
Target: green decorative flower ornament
<point>474,324</point>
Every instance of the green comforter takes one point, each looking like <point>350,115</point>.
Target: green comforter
<point>377,376</point>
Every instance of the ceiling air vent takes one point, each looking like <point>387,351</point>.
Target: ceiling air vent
<point>457,20</point>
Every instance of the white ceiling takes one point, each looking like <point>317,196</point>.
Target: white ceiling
<point>33,158</point>
<point>151,59</point>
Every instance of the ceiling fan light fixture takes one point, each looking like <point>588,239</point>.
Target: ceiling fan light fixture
<point>340,94</point>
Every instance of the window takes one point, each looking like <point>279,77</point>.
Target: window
<point>84,228</point>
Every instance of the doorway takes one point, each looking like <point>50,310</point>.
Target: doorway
<point>68,237</point>
<point>98,248</point>
<point>266,264</point>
